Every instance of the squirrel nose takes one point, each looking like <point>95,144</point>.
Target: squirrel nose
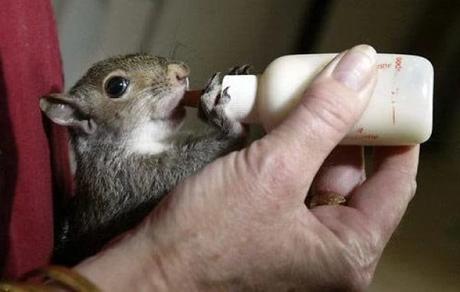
<point>178,74</point>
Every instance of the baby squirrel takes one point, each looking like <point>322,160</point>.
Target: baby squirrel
<point>124,117</point>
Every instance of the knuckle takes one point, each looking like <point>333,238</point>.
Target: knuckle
<point>359,281</point>
<point>406,179</point>
<point>407,189</point>
<point>331,105</point>
<point>362,257</point>
<point>365,251</point>
<point>412,187</point>
<point>359,276</point>
<point>271,170</point>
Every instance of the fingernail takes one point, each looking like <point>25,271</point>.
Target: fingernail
<point>355,67</point>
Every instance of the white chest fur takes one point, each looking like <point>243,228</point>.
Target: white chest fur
<point>151,138</point>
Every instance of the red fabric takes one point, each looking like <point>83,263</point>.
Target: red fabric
<point>30,67</point>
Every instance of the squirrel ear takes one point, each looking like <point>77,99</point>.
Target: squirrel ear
<point>65,112</point>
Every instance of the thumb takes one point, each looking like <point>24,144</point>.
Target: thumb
<point>329,108</point>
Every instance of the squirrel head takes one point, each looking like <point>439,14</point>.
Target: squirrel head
<point>120,96</point>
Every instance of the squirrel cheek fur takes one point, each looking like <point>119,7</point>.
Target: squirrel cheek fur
<point>124,117</point>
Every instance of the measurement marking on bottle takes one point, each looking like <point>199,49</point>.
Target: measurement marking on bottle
<point>395,91</point>
<point>393,105</point>
<point>394,114</point>
<point>384,66</point>
<point>398,64</point>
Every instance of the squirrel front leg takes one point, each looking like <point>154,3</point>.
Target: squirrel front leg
<point>226,134</point>
<point>213,102</point>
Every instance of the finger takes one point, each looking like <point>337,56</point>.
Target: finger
<point>330,107</point>
<point>384,197</point>
<point>341,173</point>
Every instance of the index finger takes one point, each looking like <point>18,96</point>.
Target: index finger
<point>384,197</point>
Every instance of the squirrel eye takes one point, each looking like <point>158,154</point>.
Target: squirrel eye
<point>116,86</point>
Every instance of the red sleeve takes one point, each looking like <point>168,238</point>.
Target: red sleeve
<point>30,67</point>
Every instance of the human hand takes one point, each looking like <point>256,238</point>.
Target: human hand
<point>241,223</point>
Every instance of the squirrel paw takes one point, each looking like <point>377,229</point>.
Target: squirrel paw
<point>212,104</point>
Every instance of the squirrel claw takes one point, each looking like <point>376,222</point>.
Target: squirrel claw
<point>224,97</point>
<point>212,108</point>
<point>240,70</point>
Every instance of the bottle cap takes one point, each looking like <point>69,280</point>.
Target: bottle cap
<point>242,90</point>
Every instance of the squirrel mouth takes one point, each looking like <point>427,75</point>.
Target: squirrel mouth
<point>172,106</point>
<point>179,112</point>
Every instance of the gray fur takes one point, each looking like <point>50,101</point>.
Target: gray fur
<point>117,187</point>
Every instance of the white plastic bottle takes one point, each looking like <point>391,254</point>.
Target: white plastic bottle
<point>399,112</point>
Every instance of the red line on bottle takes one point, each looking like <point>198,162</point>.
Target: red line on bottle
<point>394,114</point>
<point>398,64</point>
